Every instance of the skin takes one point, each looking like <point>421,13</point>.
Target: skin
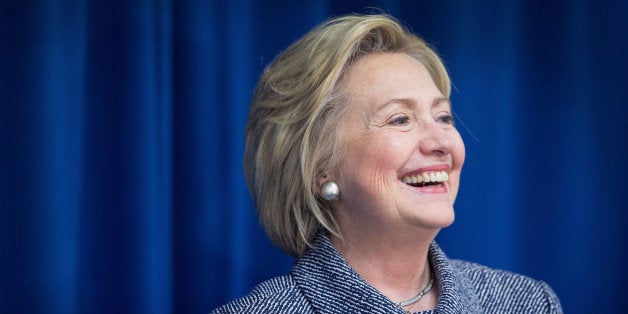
<point>397,123</point>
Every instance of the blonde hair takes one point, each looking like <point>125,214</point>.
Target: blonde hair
<point>293,130</point>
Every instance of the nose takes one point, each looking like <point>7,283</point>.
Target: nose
<point>437,140</point>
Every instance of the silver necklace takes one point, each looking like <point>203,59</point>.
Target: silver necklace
<point>418,297</point>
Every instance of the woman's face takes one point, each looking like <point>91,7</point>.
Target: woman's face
<point>397,130</point>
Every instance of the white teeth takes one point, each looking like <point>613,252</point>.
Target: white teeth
<point>426,177</point>
<point>439,176</point>
<point>435,176</point>
<point>412,179</point>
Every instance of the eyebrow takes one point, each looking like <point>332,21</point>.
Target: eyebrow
<point>438,100</point>
<point>411,102</point>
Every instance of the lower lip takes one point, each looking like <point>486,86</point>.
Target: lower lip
<point>432,189</point>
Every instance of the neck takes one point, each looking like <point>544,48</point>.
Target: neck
<point>395,263</point>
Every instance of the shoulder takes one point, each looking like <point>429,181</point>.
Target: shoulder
<point>504,291</point>
<point>277,295</point>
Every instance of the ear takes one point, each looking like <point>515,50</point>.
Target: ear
<point>321,179</point>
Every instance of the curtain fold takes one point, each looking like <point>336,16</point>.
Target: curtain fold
<point>125,213</point>
<point>121,141</point>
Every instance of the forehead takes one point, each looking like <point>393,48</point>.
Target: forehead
<point>380,77</point>
<point>384,64</point>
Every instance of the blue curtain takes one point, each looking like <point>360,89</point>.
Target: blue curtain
<point>121,140</point>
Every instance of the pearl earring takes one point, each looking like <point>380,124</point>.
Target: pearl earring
<point>330,191</point>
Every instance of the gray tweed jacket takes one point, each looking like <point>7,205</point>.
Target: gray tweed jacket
<point>321,281</point>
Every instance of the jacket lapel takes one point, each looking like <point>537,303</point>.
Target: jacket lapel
<point>331,286</point>
<point>456,294</point>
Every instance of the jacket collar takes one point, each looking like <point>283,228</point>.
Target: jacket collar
<point>331,286</point>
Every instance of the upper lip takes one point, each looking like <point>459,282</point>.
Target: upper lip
<point>440,167</point>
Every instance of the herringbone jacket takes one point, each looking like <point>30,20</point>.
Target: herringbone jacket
<point>321,281</point>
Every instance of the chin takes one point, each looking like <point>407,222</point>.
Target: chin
<point>440,222</point>
<point>447,222</point>
<point>434,219</point>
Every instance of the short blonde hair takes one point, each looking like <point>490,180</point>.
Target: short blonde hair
<point>293,131</point>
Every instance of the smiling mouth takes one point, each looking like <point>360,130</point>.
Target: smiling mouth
<point>429,178</point>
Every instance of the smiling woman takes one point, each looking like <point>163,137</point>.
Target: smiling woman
<point>411,135</point>
<point>361,199</point>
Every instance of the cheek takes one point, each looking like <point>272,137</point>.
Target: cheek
<point>459,152</point>
<point>389,154</point>
<point>458,155</point>
<point>374,162</point>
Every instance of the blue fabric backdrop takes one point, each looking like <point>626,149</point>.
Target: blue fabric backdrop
<point>121,126</point>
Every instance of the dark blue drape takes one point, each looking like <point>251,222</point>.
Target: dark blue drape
<point>121,126</point>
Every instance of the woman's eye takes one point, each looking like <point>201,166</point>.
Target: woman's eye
<point>445,118</point>
<point>401,120</point>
